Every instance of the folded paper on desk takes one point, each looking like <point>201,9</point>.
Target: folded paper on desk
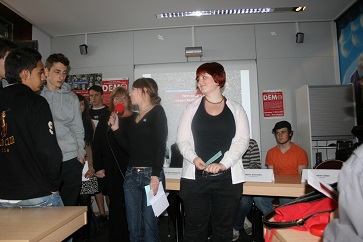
<point>326,175</point>
<point>172,173</point>
<point>259,175</point>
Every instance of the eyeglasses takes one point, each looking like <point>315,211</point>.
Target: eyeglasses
<point>119,98</point>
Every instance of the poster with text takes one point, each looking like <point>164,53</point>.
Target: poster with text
<point>80,83</point>
<point>109,85</point>
<point>273,104</point>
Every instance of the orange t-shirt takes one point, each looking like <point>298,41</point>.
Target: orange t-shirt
<point>287,163</point>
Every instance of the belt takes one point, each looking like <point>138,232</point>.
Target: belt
<point>206,174</point>
<point>141,169</point>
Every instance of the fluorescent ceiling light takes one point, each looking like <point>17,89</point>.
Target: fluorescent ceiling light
<point>229,12</point>
<point>214,12</point>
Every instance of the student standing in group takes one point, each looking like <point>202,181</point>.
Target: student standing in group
<point>209,125</point>
<point>30,156</point>
<point>99,112</point>
<point>90,183</point>
<point>68,124</point>
<point>5,47</point>
<point>286,158</point>
<point>111,161</point>
<point>145,140</point>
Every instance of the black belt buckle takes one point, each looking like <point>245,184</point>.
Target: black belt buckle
<point>205,174</point>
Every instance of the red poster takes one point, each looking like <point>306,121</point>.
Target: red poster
<point>110,84</point>
<point>273,104</point>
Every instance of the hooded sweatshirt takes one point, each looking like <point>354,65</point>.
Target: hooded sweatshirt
<point>30,157</point>
<point>67,118</point>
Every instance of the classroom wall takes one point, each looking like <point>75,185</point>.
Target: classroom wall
<point>281,63</point>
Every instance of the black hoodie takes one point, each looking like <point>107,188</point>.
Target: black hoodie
<point>30,157</point>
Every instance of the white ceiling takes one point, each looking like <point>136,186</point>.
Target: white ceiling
<point>73,17</point>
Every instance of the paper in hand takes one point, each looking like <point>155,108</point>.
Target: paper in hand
<point>159,202</point>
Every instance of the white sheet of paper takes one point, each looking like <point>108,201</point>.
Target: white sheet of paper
<point>172,173</point>
<point>159,202</point>
<point>321,186</point>
<point>328,176</point>
<point>259,175</point>
<point>84,171</point>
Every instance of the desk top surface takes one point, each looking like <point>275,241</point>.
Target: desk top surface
<point>32,224</point>
<point>284,185</point>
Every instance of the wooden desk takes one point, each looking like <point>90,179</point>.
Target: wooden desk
<point>284,186</point>
<point>290,235</point>
<point>40,224</point>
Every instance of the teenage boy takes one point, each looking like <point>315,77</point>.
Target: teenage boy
<point>29,152</point>
<point>286,158</point>
<point>5,47</point>
<point>68,125</point>
<point>98,112</point>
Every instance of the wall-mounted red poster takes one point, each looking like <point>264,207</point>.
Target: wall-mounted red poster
<point>109,84</point>
<point>273,103</point>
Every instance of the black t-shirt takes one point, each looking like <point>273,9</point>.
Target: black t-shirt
<point>212,133</point>
<point>98,114</point>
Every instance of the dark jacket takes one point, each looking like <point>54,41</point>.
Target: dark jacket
<point>30,158</point>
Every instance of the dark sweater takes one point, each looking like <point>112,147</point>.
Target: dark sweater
<point>30,157</point>
<point>104,147</point>
<point>147,140</point>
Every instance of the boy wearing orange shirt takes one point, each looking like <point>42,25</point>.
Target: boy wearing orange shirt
<point>286,158</point>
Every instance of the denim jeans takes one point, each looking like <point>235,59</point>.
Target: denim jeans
<point>265,203</point>
<point>142,223</point>
<point>46,201</point>
<point>242,211</point>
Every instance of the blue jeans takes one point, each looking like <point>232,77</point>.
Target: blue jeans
<point>242,211</point>
<point>46,201</point>
<point>265,203</point>
<point>142,223</point>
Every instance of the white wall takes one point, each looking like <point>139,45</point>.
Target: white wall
<point>281,63</point>
<point>44,42</point>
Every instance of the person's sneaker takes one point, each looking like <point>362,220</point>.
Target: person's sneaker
<point>235,235</point>
<point>247,226</point>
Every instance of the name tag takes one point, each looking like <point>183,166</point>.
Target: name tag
<point>328,176</point>
<point>259,175</point>
<point>172,173</point>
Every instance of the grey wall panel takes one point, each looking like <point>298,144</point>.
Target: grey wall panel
<point>162,45</point>
<point>278,40</point>
<point>235,42</point>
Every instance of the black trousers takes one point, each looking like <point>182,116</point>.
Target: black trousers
<point>71,181</point>
<point>118,230</point>
<point>210,198</point>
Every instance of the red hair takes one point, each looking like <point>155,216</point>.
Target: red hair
<point>214,69</point>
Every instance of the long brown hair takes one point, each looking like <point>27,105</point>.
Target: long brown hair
<point>151,88</point>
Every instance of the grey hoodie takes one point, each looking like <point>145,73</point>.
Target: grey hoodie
<point>66,112</point>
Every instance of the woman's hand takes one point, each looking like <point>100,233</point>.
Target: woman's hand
<point>199,163</point>
<point>215,168</point>
<point>101,173</point>
<point>154,184</point>
<point>113,121</point>
<point>90,172</point>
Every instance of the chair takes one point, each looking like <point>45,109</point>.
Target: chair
<point>330,164</point>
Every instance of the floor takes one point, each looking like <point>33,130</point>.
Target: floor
<point>101,235</point>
